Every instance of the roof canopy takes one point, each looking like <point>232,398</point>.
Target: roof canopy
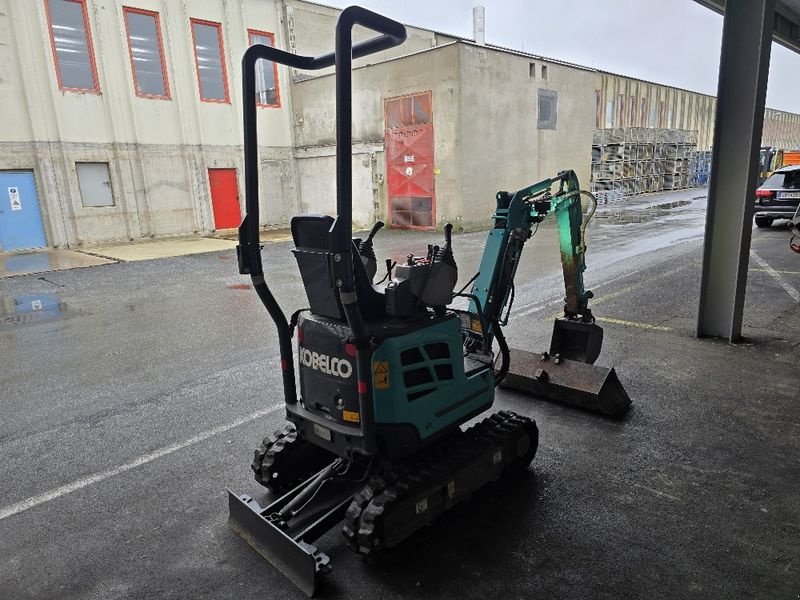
<point>786,30</point>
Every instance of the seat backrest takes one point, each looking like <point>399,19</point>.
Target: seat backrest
<point>312,251</point>
<point>310,234</point>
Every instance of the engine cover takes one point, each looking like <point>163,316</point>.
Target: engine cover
<point>327,366</point>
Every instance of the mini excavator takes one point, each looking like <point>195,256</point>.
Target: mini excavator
<point>389,376</point>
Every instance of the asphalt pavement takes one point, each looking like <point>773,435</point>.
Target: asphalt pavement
<point>133,394</point>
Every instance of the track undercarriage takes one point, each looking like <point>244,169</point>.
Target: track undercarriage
<point>382,504</point>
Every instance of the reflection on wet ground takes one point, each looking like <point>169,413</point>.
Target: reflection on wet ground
<point>626,215</point>
<point>31,308</point>
<point>23,263</point>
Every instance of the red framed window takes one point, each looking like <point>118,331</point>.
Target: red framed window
<point>621,110</point>
<point>643,113</point>
<point>209,61</point>
<point>146,52</point>
<point>71,42</point>
<point>268,91</point>
<point>661,114</point>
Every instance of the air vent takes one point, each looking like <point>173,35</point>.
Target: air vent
<point>443,372</point>
<point>411,356</point>
<point>417,377</point>
<point>437,351</point>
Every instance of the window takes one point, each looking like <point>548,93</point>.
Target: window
<point>544,71</point>
<point>621,110</point>
<point>661,114</point>
<point>598,106</point>
<point>532,70</point>
<point>548,109</point>
<point>95,184</point>
<point>209,58</point>
<point>406,111</point>
<point>653,116</point>
<point>71,41</point>
<point>632,112</point>
<point>267,90</point>
<point>610,113</point>
<point>643,113</point>
<point>146,53</point>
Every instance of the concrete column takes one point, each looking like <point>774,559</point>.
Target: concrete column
<point>742,88</point>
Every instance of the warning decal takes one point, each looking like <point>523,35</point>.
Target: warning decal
<point>380,374</point>
<point>351,416</point>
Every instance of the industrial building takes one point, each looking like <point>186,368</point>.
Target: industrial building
<point>122,120</point>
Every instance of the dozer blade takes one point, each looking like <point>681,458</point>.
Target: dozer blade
<point>576,340</point>
<point>568,381</point>
<point>297,560</point>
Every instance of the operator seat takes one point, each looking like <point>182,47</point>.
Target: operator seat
<point>314,258</point>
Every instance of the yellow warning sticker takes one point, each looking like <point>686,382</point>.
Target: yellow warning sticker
<point>475,325</point>
<point>351,416</point>
<point>380,375</point>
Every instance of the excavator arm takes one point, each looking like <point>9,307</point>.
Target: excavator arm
<point>566,372</point>
<point>514,219</point>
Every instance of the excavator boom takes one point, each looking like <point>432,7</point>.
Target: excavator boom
<point>576,337</point>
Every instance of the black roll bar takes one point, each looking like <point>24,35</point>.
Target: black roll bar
<point>249,248</point>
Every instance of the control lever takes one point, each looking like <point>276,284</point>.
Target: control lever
<point>368,253</point>
<point>446,254</point>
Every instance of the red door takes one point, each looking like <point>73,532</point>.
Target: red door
<point>224,198</point>
<point>409,162</point>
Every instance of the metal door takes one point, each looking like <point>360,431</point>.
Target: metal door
<point>410,161</point>
<point>225,198</point>
<point>20,219</point>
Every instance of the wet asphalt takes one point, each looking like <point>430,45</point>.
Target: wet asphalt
<point>132,396</point>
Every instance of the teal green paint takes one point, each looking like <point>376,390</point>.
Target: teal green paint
<point>392,404</point>
<point>513,225</point>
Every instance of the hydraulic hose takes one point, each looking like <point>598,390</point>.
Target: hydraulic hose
<point>589,215</point>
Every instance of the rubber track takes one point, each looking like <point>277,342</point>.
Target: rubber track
<point>293,458</point>
<point>426,476</point>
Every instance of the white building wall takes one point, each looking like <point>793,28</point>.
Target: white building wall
<point>158,150</point>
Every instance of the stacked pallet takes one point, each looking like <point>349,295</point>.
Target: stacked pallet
<point>700,168</point>
<point>636,160</point>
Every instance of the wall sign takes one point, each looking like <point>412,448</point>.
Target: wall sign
<point>13,198</point>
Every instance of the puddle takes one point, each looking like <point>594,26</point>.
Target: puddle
<point>27,263</point>
<point>31,308</point>
<point>641,215</point>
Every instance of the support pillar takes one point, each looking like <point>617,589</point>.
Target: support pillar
<point>741,93</point>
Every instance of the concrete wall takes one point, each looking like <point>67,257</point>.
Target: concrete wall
<point>501,146</point>
<point>485,109</point>
<point>435,70</point>
<point>311,31</point>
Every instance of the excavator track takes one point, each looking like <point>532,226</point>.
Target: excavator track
<point>413,494</point>
<point>284,460</point>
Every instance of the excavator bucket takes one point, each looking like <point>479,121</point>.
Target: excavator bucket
<point>567,374</point>
<point>572,382</point>
<point>576,340</point>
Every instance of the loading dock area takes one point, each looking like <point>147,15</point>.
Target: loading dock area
<point>117,457</point>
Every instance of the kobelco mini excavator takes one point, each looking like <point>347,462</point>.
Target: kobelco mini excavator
<point>390,375</point>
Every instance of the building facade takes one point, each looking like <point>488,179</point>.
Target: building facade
<point>121,120</point>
